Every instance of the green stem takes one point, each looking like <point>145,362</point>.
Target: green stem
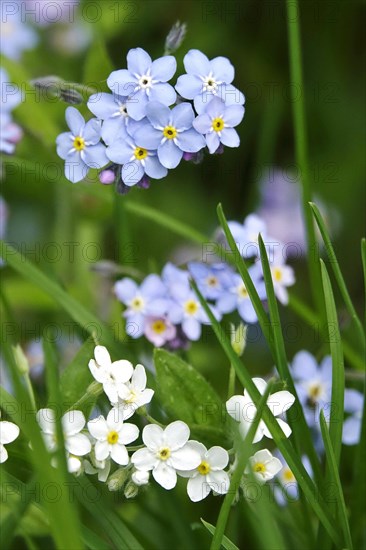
<point>231,386</point>
<point>298,105</point>
<point>29,387</point>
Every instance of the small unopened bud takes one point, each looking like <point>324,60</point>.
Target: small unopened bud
<point>107,176</point>
<point>21,360</point>
<point>196,158</point>
<point>238,338</point>
<point>121,188</point>
<point>117,480</point>
<point>175,37</point>
<point>70,95</point>
<point>144,183</point>
<point>140,477</point>
<point>131,490</point>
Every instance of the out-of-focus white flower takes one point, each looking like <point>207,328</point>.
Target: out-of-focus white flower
<point>8,433</point>
<point>73,422</point>
<point>264,466</point>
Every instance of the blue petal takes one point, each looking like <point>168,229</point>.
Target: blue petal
<point>353,400</point>
<point>213,141</point>
<point>191,328</point>
<point>304,366</point>
<point>169,154</point>
<point>229,137</point>
<point>223,69</point>
<point>201,102</point>
<point>102,105</point>
<point>164,93</point>
<point>75,168</point>
<point>122,82</point>
<point>95,156</point>
<point>188,86</point>
<point>215,107</point>
<point>195,62</point>
<point>230,95</point>
<point>182,116</point>
<point>247,311</point>
<point>152,286</point>
<point>138,61</point>
<point>135,325</point>
<point>113,128</point>
<point>202,124</point>
<point>163,69</point>
<point>154,168</point>
<point>132,172</point>
<point>148,137</point>
<point>234,115</point>
<point>226,303</point>
<point>75,121</point>
<point>191,141</point>
<point>125,290</point>
<point>64,144</point>
<point>158,114</point>
<point>92,131</point>
<point>120,151</point>
<point>136,105</point>
<point>351,431</point>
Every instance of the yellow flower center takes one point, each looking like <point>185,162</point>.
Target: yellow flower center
<point>132,397</point>
<point>204,468</point>
<point>140,153</point>
<point>137,304</point>
<point>259,468</point>
<point>242,291</point>
<point>112,437</point>
<point>277,273</point>
<point>288,475</point>
<point>218,124</point>
<point>164,453</point>
<point>170,132</point>
<point>158,326</point>
<point>79,143</point>
<point>191,307</point>
<point>212,281</point>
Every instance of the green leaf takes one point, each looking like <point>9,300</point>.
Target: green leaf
<point>338,274</point>
<point>76,378</point>
<point>226,542</point>
<point>98,66</point>
<point>184,393</point>
<point>87,321</point>
<point>336,482</point>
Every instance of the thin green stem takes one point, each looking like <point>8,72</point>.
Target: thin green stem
<point>231,385</point>
<point>298,105</point>
<point>29,388</point>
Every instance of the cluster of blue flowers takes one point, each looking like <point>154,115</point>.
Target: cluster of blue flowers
<point>145,128</point>
<point>166,310</point>
<point>10,97</point>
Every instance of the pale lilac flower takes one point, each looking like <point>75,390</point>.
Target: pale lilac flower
<point>217,124</point>
<point>8,433</point>
<point>10,134</point>
<point>73,423</point>
<point>81,148</point>
<point>243,410</point>
<point>15,33</point>
<point>170,132</point>
<point>353,404</point>
<point>159,330</point>
<point>264,466</point>
<point>206,80</point>
<point>167,450</point>
<point>112,375</point>
<point>211,279</point>
<point>143,81</point>
<point>209,475</point>
<point>147,300</point>
<point>112,435</point>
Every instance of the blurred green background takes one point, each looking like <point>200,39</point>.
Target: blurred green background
<point>44,208</point>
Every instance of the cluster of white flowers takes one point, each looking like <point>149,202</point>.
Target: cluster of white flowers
<point>101,445</point>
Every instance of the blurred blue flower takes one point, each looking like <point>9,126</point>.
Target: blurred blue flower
<point>144,80</point>
<point>212,279</point>
<point>288,489</point>
<point>147,300</point>
<point>353,404</point>
<point>136,160</point>
<point>236,296</point>
<point>217,124</point>
<point>10,94</point>
<point>171,275</point>
<point>207,79</point>
<point>10,134</point>
<point>170,132</point>
<point>112,109</point>
<point>81,148</point>
<point>16,35</point>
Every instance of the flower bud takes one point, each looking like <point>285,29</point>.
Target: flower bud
<point>21,360</point>
<point>175,37</point>
<point>131,490</point>
<point>117,480</point>
<point>140,477</point>
<point>238,338</point>
<point>107,176</point>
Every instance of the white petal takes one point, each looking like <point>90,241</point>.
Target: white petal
<point>285,427</point>
<point>217,457</point>
<point>152,436</point>
<point>198,488</point>
<point>165,475</point>
<point>274,466</point>
<point>185,458</point>
<point>260,384</point>
<point>119,454</point>
<point>99,373</point>
<point>115,419</point>
<point>139,378</point>
<point>261,456</point>
<point>8,432</point>
<point>73,422</point>
<point>144,459</point>
<point>121,370</point>
<point>235,406</point>
<point>98,428</point>
<point>128,433</point>
<point>78,444</point>
<point>101,450</point>
<point>219,481</point>
<point>280,402</point>
<point>46,420</point>
<point>176,435</point>
<point>3,454</point>
<point>102,356</point>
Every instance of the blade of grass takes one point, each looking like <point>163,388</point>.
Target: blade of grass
<point>77,311</point>
<point>226,542</point>
<point>272,333</point>
<point>335,480</point>
<point>315,499</point>
<point>298,105</point>
<point>338,274</point>
<point>363,257</point>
